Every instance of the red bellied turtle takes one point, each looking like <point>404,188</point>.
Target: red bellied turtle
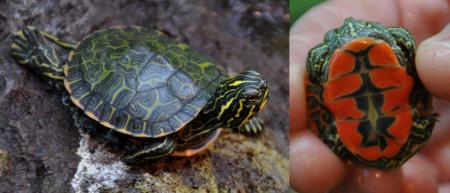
<point>147,86</point>
<point>364,97</point>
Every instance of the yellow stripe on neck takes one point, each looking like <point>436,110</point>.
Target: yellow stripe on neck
<point>238,82</point>
<point>225,107</point>
<point>52,76</point>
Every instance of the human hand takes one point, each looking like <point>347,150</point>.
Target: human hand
<point>313,166</point>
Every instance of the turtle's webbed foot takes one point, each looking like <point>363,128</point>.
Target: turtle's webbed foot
<point>30,48</point>
<point>253,127</point>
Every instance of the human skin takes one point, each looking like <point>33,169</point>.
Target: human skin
<point>313,166</point>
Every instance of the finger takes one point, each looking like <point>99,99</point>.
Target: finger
<point>444,188</point>
<point>369,180</point>
<point>313,166</point>
<point>297,103</point>
<point>441,157</point>
<point>423,18</point>
<point>420,175</point>
<point>432,62</point>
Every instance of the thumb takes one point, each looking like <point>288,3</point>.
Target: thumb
<point>433,63</point>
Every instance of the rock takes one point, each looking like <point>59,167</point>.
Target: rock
<point>41,150</point>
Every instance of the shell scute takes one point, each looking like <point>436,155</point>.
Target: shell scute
<point>138,82</point>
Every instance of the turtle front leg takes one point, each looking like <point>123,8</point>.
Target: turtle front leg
<point>406,42</point>
<point>317,57</point>
<point>31,49</point>
<point>253,127</point>
<point>157,149</point>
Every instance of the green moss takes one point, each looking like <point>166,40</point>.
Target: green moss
<point>271,163</point>
<point>177,180</point>
<point>254,164</point>
<point>234,163</point>
<point>4,162</point>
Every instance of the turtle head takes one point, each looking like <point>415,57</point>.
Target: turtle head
<point>239,98</point>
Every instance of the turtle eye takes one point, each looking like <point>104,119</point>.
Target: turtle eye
<point>252,94</point>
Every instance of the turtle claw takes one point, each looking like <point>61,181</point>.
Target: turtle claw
<point>316,60</point>
<point>253,127</point>
<point>20,48</point>
<point>30,49</point>
<point>19,43</point>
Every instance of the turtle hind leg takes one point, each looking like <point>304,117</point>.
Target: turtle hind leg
<point>253,127</point>
<point>154,150</point>
<point>31,49</point>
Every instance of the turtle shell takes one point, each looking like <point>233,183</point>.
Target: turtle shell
<point>364,97</point>
<point>368,94</point>
<point>138,82</point>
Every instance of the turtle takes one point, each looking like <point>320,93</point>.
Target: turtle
<point>147,86</point>
<point>364,97</point>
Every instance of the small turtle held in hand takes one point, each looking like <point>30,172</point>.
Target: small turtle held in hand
<point>147,86</point>
<point>364,97</point>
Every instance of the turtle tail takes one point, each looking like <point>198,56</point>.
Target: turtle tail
<point>31,48</point>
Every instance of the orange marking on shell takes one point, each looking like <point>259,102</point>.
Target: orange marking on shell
<point>71,54</point>
<point>342,86</point>
<point>360,44</point>
<point>395,101</point>
<point>343,62</point>
<point>67,86</point>
<point>107,124</point>
<point>398,77</point>
<point>391,149</point>
<point>345,108</point>
<point>91,115</point>
<point>381,54</point>
<point>371,153</point>
<point>388,77</point>
<point>401,125</point>
<point>124,130</point>
<point>190,152</point>
<point>349,135</point>
<point>141,135</point>
<point>66,69</point>
<point>77,102</point>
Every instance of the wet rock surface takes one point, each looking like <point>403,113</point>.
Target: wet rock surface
<point>42,151</point>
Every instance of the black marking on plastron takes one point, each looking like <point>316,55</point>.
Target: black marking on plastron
<point>368,94</point>
<point>375,137</point>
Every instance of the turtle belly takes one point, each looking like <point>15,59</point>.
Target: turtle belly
<point>368,97</point>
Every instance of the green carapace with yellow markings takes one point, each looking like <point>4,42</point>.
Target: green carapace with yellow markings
<point>147,86</point>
